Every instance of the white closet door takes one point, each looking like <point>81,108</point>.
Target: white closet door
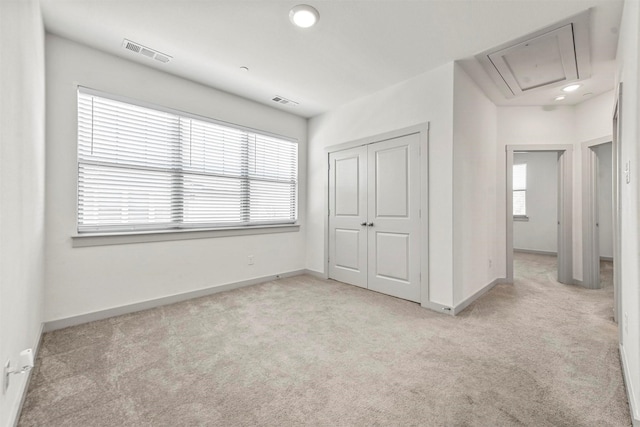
<point>348,216</point>
<point>394,217</point>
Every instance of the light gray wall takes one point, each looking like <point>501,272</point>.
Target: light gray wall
<point>628,69</point>
<point>605,210</point>
<point>22,195</point>
<point>540,232</point>
<point>425,98</point>
<point>85,280</point>
<point>474,188</point>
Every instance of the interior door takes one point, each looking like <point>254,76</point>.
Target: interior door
<point>348,216</point>
<point>394,217</point>
<point>374,216</point>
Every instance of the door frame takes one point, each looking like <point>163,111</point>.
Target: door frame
<point>565,211</point>
<point>616,155</point>
<point>590,234</point>
<point>423,130</point>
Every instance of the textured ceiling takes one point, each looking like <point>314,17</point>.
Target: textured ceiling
<point>357,48</point>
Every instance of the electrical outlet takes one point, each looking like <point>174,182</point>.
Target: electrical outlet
<point>250,259</point>
<point>6,376</point>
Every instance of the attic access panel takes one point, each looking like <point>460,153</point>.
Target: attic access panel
<point>538,62</point>
<point>550,57</point>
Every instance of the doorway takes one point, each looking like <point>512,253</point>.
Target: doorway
<point>597,207</point>
<point>564,207</point>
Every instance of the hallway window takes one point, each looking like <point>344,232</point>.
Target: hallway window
<point>520,190</point>
<point>144,167</point>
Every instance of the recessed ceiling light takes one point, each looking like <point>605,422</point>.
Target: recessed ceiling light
<point>244,69</point>
<point>560,98</point>
<point>304,16</point>
<point>571,88</point>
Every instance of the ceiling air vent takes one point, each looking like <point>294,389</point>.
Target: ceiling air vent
<point>284,101</point>
<point>550,57</point>
<point>143,50</point>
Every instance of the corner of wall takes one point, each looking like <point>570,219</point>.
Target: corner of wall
<point>22,123</point>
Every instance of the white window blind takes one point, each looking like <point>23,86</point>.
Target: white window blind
<point>520,190</point>
<point>141,168</point>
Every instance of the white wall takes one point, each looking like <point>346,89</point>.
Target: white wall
<point>22,196</point>
<point>629,69</point>
<point>428,97</point>
<point>593,117</point>
<point>605,203</point>
<point>85,280</point>
<point>474,188</point>
<point>540,232</point>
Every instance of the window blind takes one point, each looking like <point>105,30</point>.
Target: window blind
<point>520,189</point>
<point>141,168</point>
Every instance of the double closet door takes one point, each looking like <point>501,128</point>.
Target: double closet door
<point>374,216</point>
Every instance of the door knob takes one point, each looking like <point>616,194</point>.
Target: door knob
<point>370,224</point>
<point>363,224</point>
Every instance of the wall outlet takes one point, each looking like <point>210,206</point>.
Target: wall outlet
<point>250,259</point>
<point>6,376</point>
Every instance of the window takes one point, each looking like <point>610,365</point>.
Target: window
<point>520,190</point>
<point>142,168</point>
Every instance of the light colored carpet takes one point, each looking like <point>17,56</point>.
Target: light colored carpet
<point>303,351</point>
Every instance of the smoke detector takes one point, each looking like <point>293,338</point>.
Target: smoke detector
<point>146,51</point>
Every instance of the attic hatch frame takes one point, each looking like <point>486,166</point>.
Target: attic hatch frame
<point>573,52</point>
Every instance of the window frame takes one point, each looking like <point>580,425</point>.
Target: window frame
<point>520,217</point>
<point>143,233</point>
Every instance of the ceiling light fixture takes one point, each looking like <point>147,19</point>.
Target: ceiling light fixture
<point>571,88</point>
<point>244,69</point>
<point>560,98</point>
<point>304,16</point>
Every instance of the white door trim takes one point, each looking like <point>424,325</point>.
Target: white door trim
<point>590,235</point>
<point>616,155</point>
<point>565,200</point>
<point>423,130</point>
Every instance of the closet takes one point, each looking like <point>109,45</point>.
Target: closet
<point>374,216</point>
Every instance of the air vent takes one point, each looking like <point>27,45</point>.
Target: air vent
<point>132,46</point>
<point>550,57</point>
<point>284,101</point>
<point>143,50</point>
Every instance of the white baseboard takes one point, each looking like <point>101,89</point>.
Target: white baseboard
<point>465,303</point>
<point>439,308</point>
<point>23,394</point>
<point>52,325</point>
<point>534,251</point>
<point>635,415</point>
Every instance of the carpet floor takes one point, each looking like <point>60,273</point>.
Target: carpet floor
<point>304,351</point>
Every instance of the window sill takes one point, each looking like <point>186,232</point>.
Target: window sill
<point>123,238</point>
<point>521,218</point>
